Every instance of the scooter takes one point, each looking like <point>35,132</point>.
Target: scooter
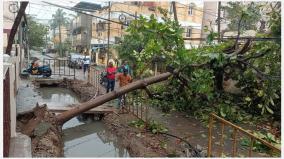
<point>40,70</point>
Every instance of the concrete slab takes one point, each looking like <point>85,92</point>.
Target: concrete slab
<point>20,146</point>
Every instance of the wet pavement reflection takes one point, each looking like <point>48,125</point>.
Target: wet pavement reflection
<point>90,139</point>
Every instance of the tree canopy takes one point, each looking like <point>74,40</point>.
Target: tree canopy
<point>36,33</point>
<point>252,69</point>
<point>243,16</point>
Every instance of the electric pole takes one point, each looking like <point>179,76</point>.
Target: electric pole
<point>175,10</point>
<point>60,43</point>
<point>46,39</point>
<point>219,22</point>
<point>108,33</point>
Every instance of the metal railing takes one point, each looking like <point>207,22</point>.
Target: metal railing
<point>94,76</point>
<point>60,67</point>
<point>236,131</point>
<point>134,104</point>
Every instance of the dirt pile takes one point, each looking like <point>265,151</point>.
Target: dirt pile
<point>45,133</point>
<point>83,89</point>
<point>138,143</point>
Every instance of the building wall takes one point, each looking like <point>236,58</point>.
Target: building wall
<point>13,62</point>
<point>13,65</point>
<point>209,16</point>
<point>193,21</point>
<point>63,34</point>
<point>81,39</point>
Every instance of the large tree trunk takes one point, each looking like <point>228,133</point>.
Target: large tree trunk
<point>140,84</point>
<point>15,26</point>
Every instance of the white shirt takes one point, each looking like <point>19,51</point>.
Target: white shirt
<point>87,61</point>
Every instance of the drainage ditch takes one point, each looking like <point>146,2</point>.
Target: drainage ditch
<point>82,136</point>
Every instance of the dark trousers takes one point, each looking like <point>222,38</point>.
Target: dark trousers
<point>110,84</point>
<point>85,66</point>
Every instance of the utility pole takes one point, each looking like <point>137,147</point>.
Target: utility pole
<point>108,33</point>
<point>46,40</point>
<point>219,21</point>
<point>175,11</point>
<point>60,43</point>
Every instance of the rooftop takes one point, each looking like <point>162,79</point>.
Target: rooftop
<point>86,6</point>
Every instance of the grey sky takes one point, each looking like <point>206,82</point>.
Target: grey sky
<point>43,12</point>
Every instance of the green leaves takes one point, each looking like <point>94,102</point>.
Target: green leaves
<point>156,127</point>
<point>36,33</point>
<point>137,123</point>
<point>250,14</point>
<point>148,40</point>
<point>258,146</point>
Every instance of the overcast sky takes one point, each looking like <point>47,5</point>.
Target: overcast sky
<point>43,12</point>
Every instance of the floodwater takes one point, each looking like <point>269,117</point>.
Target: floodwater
<point>28,96</point>
<point>90,139</point>
<point>81,138</point>
<point>56,96</point>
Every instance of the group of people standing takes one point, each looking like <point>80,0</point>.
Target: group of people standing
<point>121,74</point>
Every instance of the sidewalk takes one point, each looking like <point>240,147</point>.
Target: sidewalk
<point>20,146</point>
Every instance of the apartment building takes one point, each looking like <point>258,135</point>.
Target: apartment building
<point>64,34</point>
<point>210,17</point>
<point>81,27</point>
<point>189,17</point>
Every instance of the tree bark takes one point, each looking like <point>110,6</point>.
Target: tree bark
<point>15,26</point>
<point>140,84</point>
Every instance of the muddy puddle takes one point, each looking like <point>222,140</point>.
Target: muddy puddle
<point>56,96</point>
<point>90,139</point>
<point>28,96</point>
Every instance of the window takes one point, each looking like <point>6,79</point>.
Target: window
<point>100,26</point>
<point>152,8</point>
<point>188,32</point>
<point>137,3</point>
<point>190,10</point>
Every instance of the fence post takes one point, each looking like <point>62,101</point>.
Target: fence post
<point>74,73</point>
<point>59,66</point>
<point>64,66</point>
<point>210,136</point>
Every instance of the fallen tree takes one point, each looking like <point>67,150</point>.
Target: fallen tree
<point>82,107</point>
<point>45,127</point>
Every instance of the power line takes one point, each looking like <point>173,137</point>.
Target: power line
<point>233,38</point>
<point>78,11</point>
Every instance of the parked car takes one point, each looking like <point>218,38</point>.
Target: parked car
<point>75,60</point>
<point>43,51</point>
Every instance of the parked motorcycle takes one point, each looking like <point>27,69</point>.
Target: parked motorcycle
<point>39,70</point>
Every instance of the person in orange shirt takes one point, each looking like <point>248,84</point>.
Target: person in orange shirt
<point>123,79</point>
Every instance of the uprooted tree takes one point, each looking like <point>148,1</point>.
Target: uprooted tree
<point>251,68</point>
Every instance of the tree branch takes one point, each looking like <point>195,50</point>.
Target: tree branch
<point>256,55</point>
<point>239,32</point>
<point>262,75</point>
